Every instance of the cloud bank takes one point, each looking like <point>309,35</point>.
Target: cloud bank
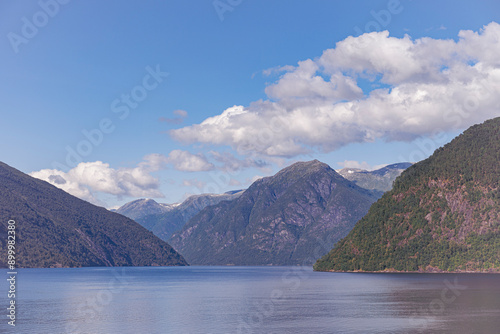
<point>367,87</point>
<point>88,178</point>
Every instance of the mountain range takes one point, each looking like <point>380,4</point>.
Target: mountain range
<point>165,219</point>
<point>55,229</point>
<point>279,220</point>
<point>442,215</point>
<point>143,207</point>
<point>59,230</point>
<point>378,180</point>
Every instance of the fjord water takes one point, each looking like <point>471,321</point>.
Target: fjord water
<point>250,300</point>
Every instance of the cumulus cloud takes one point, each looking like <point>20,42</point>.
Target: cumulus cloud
<point>188,162</point>
<point>419,87</point>
<point>183,161</point>
<point>304,83</point>
<point>66,182</point>
<point>278,69</point>
<point>89,178</point>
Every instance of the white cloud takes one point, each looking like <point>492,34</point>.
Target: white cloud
<point>303,83</point>
<point>278,69</point>
<point>355,164</point>
<point>89,178</point>
<point>396,60</point>
<point>188,162</point>
<point>428,85</point>
<point>65,182</point>
<point>360,165</point>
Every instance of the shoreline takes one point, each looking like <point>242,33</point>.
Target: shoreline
<point>408,272</point>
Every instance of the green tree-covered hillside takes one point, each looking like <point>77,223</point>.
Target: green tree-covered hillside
<point>443,214</point>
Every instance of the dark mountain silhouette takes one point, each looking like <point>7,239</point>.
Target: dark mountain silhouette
<point>55,229</point>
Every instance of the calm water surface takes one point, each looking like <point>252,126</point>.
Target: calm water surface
<point>250,300</point>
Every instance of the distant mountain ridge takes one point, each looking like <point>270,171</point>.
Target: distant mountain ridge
<point>278,220</point>
<point>55,229</point>
<point>443,214</point>
<point>165,219</point>
<point>144,207</point>
<point>380,180</point>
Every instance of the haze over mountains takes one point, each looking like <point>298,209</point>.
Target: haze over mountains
<point>443,214</point>
<point>55,229</point>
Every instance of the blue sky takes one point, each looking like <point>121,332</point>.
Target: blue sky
<point>67,68</point>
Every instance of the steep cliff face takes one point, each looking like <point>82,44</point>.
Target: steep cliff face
<point>55,229</point>
<point>279,220</point>
<point>443,214</point>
